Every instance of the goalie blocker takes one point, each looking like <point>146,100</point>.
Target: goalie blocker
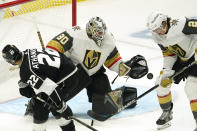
<point>113,101</point>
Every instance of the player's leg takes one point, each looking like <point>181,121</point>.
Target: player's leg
<point>165,96</point>
<point>191,92</point>
<point>63,121</point>
<point>165,101</point>
<point>40,115</point>
<point>105,101</point>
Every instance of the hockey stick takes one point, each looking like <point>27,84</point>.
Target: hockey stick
<point>84,124</point>
<point>38,33</point>
<point>13,68</point>
<point>145,93</point>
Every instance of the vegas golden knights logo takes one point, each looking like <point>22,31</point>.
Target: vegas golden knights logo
<point>91,59</point>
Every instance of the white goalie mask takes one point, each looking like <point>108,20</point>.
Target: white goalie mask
<point>155,20</point>
<point>96,29</point>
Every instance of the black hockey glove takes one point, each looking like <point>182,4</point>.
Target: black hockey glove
<point>25,89</point>
<point>53,101</point>
<point>183,76</point>
<point>138,67</point>
<point>48,103</point>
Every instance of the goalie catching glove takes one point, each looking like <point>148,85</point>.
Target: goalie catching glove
<point>135,68</point>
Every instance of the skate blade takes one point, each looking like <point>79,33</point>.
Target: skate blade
<point>160,127</point>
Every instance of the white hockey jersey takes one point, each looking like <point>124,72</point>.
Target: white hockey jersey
<point>176,43</point>
<point>76,45</point>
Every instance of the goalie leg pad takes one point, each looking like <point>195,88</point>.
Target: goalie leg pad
<point>129,93</point>
<point>114,100</point>
<point>103,104</point>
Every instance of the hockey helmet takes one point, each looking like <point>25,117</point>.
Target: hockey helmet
<point>11,54</point>
<point>96,29</point>
<point>155,20</point>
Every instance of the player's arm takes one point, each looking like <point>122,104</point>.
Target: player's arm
<point>45,88</point>
<point>113,61</point>
<point>190,26</point>
<point>169,57</point>
<point>61,43</point>
<point>135,68</point>
<point>25,89</point>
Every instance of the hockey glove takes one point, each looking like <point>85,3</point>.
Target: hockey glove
<point>164,79</point>
<point>166,82</point>
<point>138,67</point>
<point>53,100</point>
<point>25,89</point>
<point>48,103</point>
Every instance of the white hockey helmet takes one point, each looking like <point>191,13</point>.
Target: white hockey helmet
<point>155,20</point>
<point>96,29</point>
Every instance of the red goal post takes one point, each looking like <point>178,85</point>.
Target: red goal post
<point>28,6</point>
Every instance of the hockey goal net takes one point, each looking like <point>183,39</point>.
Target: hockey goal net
<point>20,7</point>
<point>20,20</point>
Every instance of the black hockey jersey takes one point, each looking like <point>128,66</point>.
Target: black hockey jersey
<point>44,70</point>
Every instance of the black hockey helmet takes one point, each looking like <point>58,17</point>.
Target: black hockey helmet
<point>11,54</point>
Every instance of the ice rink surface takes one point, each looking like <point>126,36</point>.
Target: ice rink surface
<point>126,19</point>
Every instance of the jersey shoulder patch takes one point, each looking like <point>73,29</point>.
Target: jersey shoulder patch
<point>190,26</point>
<point>175,33</point>
<point>177,25</point>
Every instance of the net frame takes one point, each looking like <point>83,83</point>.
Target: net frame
<point>35,5</point>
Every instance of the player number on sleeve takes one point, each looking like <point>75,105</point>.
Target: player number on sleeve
<point>192,23</point>
<point>62,38</point>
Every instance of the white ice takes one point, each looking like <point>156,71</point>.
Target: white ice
<point>123,17</point>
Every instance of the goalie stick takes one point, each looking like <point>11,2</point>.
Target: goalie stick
<point>105,117</point>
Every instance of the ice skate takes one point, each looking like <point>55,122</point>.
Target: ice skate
<point>164,120</point>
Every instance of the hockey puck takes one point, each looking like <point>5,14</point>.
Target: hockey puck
<point>150,76</point>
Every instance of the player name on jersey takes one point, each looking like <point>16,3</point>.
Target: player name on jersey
<point>34,58</point>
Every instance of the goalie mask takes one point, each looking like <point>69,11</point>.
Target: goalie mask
<point>11,54</point>
<point>95,29</point>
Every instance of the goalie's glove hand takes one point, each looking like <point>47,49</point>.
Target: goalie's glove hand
<point>138,67</point>
<point>25,89</point>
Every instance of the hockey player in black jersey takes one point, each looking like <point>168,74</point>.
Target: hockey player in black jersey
<point>49,78</point>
